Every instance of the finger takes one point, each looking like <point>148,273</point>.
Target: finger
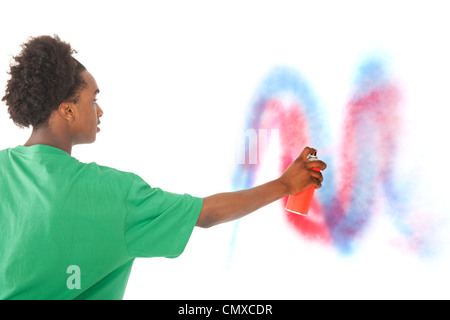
<point>316,164</point>
<point>316,183</point>
<point>305,153</point>
<point>317,175</point>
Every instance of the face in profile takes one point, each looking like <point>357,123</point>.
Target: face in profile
<point>88,112</point>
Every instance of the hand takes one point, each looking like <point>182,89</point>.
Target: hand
<point>300,174</point>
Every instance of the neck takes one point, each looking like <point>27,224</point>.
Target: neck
<point>48,137</point>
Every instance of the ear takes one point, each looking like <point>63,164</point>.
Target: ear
<point>67,111</point>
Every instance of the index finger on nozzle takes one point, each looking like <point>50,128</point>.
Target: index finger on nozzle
<point>306,152</point>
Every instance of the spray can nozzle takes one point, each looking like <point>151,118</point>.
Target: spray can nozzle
<point>312,156</point>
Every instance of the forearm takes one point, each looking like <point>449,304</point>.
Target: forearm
<point>228,206</point>
<point>223,207</point>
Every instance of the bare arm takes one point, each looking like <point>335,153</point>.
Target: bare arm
<point>228,206</point>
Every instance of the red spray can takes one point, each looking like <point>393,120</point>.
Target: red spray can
<point>299,203</point>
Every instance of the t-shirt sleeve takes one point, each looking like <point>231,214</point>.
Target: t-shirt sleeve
<point>158,223</point>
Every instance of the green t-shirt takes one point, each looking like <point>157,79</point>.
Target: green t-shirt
<point>71,230</point>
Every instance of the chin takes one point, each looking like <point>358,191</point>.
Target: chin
<point>86,140</point>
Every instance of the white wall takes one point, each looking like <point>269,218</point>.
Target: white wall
<point>177,79</point>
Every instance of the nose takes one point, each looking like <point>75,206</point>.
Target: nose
<point>99,111</point>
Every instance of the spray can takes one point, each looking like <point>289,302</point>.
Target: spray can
<point>299,203</point>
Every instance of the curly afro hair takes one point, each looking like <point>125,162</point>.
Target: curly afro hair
<point>43,75</point>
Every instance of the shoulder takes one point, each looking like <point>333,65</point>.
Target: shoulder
<point>5,155</point>
<point>4,152</point>
<point>107,175</point>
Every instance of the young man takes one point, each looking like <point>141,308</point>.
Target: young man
<point>71,230</point>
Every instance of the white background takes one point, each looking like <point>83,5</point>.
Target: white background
<point>176,80</point>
